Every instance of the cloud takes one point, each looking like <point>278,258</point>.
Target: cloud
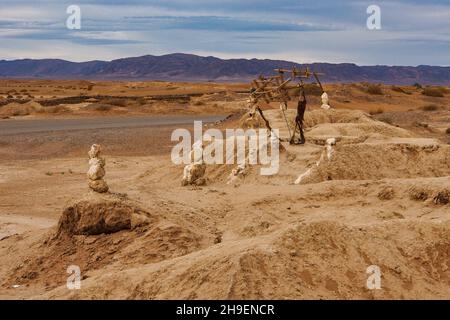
<point>413,32</point>
<point>223,24</point>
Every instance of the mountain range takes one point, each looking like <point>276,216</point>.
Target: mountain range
<point>188,67</point>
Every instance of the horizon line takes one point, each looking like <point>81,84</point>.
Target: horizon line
<point>227,59</point>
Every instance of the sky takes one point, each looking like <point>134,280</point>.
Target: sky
<point>412,32</point>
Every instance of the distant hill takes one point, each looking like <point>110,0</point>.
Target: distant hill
<point>188,67</point>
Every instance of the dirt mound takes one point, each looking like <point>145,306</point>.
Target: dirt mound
<point>312,118</point>
<point>322,260</point>
<point>319,116</point>
<point>373,161</point>
<point>405,252</point>
<point>251,121</point>
<point>357,132</point>
<point>105,232</point>
<point>92,218</point>
<point>349,126</point>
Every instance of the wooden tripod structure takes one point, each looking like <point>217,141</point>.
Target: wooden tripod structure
<point>280,89</point>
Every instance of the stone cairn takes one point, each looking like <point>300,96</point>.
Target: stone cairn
<point>96,170</point>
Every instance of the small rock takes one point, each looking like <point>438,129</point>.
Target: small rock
<point>99,186</point>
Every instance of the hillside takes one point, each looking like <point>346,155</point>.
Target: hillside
<point>187,67</point>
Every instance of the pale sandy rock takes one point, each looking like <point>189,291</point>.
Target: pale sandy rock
<point>325,101</point>
<point>96,169</point>
<point>95,151</point>
<point>99,186</point>
<point>193,173</point>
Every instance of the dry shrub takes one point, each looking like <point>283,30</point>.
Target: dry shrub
<point>400,90</point>
<point>198,103</point>
<point>53,109</point>
<point>313,89</point>
<point>141,101</point>
<point>433,92</point>
<point>430,107</point>
<point>387,193</point>
<point>377,111</point>
<point>442,198</point>
<point>19,112</point>
<point>115,102</point>
<point>18,109</point>
<point>444,90</point>
<point>386,119</point>
<point>418,194</point>
<point>447,131</point>
<point>99,107</point>
<point>374,89</point>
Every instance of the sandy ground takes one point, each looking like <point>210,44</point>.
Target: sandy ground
<point>381,199</point>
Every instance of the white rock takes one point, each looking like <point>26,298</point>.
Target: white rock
<point>325,101</point>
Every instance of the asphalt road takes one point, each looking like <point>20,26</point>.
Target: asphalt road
<point>14,126</point>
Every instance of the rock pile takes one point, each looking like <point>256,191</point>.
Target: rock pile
<point>96,170</point>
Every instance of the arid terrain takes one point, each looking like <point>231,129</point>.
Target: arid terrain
<point>310,232</point>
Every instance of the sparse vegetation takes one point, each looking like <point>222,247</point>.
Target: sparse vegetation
<point>141,101</point>
<point>377,111</point>
<point>198,103</point>
<point>115,102</point>
<point>313,89</point>
<point>53,109</point>
<point>99,107</point>
<point>430,107</point>
<point>422,124</point>
<point>400,90</point>
<point>418,85</point>
<point>433,92</point>
<point>374,89</point>
<point>385,119</point>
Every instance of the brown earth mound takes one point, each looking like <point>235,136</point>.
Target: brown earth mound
<point>373,161</point>
<point>101,232</point>
<point>92,218</point>
<point>322,260</point>
<point>318,116</point>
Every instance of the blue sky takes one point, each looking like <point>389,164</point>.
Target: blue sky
<point>413,32</point>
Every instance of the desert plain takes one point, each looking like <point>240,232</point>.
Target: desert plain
<point>381,200</point>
